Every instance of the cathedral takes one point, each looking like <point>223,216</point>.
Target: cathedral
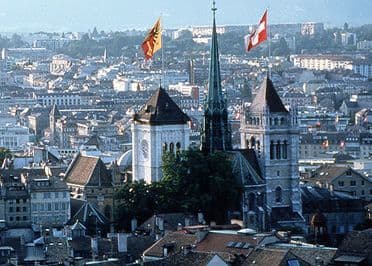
<point>266,165</point>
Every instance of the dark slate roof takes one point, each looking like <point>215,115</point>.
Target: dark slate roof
<point>192,258</point>
<point>87,211</point>
<point>94,141</point>
<point>171,221</point>
<point>160,109</point>
<point>88,171</point>
<point>55,112</point>
<point>267,97</point>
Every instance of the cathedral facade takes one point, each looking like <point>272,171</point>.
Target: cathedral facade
<point>270,132</point>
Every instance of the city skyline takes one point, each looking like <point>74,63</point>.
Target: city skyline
<point>62,16</point>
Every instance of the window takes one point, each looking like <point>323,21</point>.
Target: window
<point>18,209</point>
<point>56,195</point>
<point>24,209</point>
<point>171,147</point>
<point>362,192</point>
<point>46,195</point>
<point>17,218</point>
<point>341,183</point>
<point>11,208</point>
<point>64,194</point>
<point>165,146</point>
<point>56,205</point>
<point>278,194</point>
<point>277,173</point>
<point>362,183</point>
<point>24,218</point>
<point>49,206</point>
<point>353,183</point>
<point>271,150</point>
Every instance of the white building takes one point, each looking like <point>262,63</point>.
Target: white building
<point>121,83</point>
<point>322,62</point>
<point>14,137</point>
<point>188,90</point>
<point>60,64</point>
<point>348,38</point>
<point>160,126</point>
<point>50,202</point>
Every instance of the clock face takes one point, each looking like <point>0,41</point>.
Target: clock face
<point>145,149</point>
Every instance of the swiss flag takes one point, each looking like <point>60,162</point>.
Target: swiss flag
<point>260,34</point>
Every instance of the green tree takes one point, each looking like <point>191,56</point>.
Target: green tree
<point>191,182</point>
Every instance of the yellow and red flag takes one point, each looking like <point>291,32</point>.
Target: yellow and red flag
<point>152,42</point>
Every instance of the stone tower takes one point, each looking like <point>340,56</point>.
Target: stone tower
<point>158,127</point>
<point>54,115</point>
<point>272,131</point>
<point>216,134</point>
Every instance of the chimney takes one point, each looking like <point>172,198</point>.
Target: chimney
<point>160,223</point>
<point>200,235</point>
<point>165,251</point>
<point>200,218</point>
<point>122,242</point>
<point>186,249</point>
<point>133,224</point>
<point>94,245</point>
<point>187,221</point>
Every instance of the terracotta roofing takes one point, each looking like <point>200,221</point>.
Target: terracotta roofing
<point>312,254</point>
<point>267,97</point>
<point>160,109</point>
<point>226,243</point>
<point>176,239</point>
<point>88,171</point>
<point>266,257</point>
<point>357,243</point>
<point>331,172</point>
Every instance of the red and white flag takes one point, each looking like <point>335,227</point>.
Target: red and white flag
<point>259,35</point>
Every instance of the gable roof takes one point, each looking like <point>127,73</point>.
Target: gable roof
<point>88,171</point>
<point>160,109</point>
<point>331,172</point>
<point>177,239</point>
<point>267,97</point>
<point>85,213</point>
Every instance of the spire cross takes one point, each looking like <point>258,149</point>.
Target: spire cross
<point>214,9</point>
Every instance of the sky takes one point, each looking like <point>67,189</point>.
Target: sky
<point>81,15</point>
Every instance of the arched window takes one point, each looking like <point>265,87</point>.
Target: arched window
<point>272,150</point>
<point>276,121</point>
<point>251,201</point>
<point>258,121</point>
<point>282,121</point>
<point>178,146</point>
<point>278,194</point>
<point>171,147</point>
<point>285,150</point>
<point>258,148</point>
<point>253,142</point>
<point>278,155</point>
<point>165,147</point>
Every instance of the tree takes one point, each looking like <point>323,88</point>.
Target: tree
<point>191,182</point>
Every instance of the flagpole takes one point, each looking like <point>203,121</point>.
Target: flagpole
<point>269,43</point>
<point>162,50</point>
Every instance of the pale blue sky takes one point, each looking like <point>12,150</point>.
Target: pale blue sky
<point>81,15</point>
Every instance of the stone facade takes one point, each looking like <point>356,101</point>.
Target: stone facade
<point>150,143</point>
<point>272,132</point>
<point>158,127</point>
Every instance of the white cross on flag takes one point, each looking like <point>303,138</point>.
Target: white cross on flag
<point>260,34</point>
